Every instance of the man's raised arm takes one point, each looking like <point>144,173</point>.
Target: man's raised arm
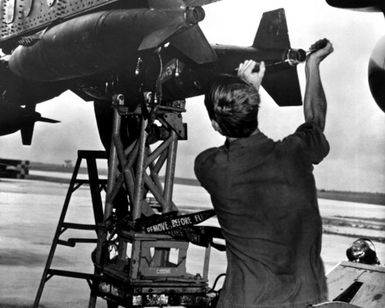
<point>315,100</point>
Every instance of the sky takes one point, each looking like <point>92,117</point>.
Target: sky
<point>354,125</point>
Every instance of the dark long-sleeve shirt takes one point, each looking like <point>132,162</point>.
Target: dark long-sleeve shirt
<point>265,198</point>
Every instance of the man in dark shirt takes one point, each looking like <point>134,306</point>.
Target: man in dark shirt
<point>264,193</point>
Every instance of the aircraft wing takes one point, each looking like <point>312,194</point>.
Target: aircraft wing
<point>14,23</point>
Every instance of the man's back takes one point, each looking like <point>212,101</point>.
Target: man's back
<point>265,199</point>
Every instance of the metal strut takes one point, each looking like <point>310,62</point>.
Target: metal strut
<point>135,169</point>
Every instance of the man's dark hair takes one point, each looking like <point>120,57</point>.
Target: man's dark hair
<point>233,104</point>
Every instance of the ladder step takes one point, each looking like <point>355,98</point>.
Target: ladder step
<point>92,154</point>
<point>70,225</point>
<point>72,274</point>
<point>85,181</point>
<point>71,242</point>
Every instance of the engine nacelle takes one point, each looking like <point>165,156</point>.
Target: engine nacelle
<point>376,73</point>
<point>360,5</point>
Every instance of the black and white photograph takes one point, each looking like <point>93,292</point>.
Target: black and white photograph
<point>192,153</point>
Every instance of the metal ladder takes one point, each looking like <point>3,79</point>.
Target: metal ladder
<point>96,185</point>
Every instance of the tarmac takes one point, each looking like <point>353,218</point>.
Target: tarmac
<point>30,210</point>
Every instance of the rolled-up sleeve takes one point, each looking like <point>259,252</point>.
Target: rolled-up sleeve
<point>202,164</point>
<point>312,141</point>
